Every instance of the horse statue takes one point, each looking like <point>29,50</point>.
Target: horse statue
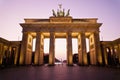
<point>54,14</point>
<point>68,13</point>
<point>60,12</point>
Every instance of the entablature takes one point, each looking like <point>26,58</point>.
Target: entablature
<point>68,19</point>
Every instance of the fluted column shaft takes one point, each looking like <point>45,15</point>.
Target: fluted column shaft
<point>23,48</point>
<point>52,49</point>
<point>1,52</point>
<point>97,48</point>
<point>119,52</point>
<point>105,55</point>
<point>39,50</point>
<point>82,54</point>
<point>16,55</point>
<point>69,49</point>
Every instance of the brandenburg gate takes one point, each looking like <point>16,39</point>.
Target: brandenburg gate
<point>60,25</point>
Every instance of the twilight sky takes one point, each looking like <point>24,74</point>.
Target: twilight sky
<point>13,12</point>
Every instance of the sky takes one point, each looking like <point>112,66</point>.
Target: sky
<point>13,12</point>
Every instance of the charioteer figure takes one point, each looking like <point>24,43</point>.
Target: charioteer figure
<point>60,12</point>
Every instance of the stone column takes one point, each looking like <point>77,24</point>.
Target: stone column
<point>105,55</point>
<point>39,51</point>
<point>28,56</point>
<point>97,48</point>
<point>116,53</point>
<point>23,48</point>
<point>92,50</point>
<point>82,54</point>
<point>52,49</point>
<point>41,54</point>
<point>69,49</point>
<point>119,52</point>
<point>1,52</point>
<point>16,55</point>
<point>112,50</point>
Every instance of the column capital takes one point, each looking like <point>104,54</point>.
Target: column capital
<point>96,32</point>
<point>81,33</point>
<point>52,32</point>
<point>69,32</point>
<point>39,32</point>
<point>26,32</point>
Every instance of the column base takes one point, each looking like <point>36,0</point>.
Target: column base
<point>82,64</point>
<point>51,64</point>
<point>37,64</point>
<point>69,64</point>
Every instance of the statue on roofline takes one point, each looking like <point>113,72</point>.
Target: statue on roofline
<point>68,12</point>
<point>54,14</point>
<point>60,12</point>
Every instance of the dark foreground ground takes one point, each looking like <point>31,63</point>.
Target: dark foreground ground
<point>59,72</point>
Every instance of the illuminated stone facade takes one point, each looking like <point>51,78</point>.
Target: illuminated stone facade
<point>9,51</point>
<point>61,27</point>
<point>111,52</point>
<point>20,52</point>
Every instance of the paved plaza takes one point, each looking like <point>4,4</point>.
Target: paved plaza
<point>59,72</point>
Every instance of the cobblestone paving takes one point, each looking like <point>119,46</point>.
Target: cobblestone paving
<point>59,72</point>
